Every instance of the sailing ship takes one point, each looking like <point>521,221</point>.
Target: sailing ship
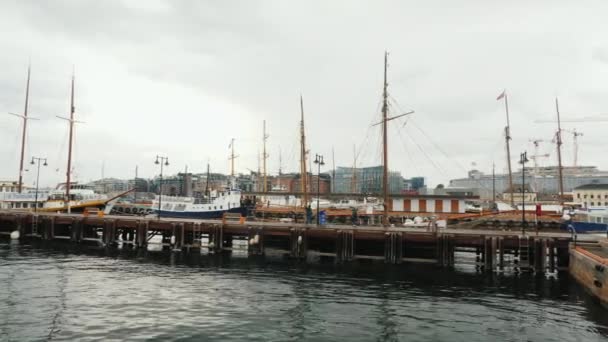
<point>66,196</point>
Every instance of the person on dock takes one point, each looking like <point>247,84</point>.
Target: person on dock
<point>354,216</point>
<point>308,214</point>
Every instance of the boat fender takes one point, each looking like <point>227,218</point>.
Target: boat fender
<point>173,239</point>
<point>15,235</point>
<point>299,239</point>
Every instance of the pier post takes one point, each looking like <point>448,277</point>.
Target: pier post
<point>76,231</point>
<point>540,255</point>
<point>344,245</point>
<point>216,239</point>
<point>21,224</point>
<point>141,237</point>
<point>489,253</point>
<point>393,248</point>
<point>451,251</point>
<point>501,254</point>
<point>51,234</point>
<point>255,241</point>
<point>299,243</point>
<point>109,233</point>
<point>551,255</point>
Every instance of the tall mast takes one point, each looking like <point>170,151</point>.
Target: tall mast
<point>507,139</point>
<point>71,139</point>
<point>385,143</point>
<point>27,98</point>
<point>135,186</point>
<point>559,153</point>
<point>303,172</point>
<point>280,162</point>
<point>232,157</point>
<point>333,173</point>
<point>493,185</point>
<point>353,185</point>
<point>207,182</point>
<point>265,156</point>
<point>259,174</point>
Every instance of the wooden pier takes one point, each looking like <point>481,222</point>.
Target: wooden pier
<point>491,250</point>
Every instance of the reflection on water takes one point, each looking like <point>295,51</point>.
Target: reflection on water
<point>83,294</point>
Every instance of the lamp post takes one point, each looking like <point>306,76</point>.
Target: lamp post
<point>319,162</point>
<point>33,162</point>
<point>523,158</point>
<point>161,161</point>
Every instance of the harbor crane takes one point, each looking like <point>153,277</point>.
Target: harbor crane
<point>535,158</point>
<point>575,136</point>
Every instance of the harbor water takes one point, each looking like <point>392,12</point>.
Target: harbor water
<point>51,293</point>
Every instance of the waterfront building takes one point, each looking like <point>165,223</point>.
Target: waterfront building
<point>543,180</point>
<point>8,186</point>
<point>591,196</point>
<point>528,195</point>
<point>369,180</point>
<point>109,185</point>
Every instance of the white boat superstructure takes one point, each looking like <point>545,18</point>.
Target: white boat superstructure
<point>214,206</point>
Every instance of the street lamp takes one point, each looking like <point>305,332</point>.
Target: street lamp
<point>319,162</point>
<point>161,161</point>
<point>33,162</point>
<point>523,158</point>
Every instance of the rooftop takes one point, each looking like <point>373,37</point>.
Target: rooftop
<point>592,187</point>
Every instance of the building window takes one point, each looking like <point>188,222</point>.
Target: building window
<point>585,196</point>
<point>591,195</point>
<point>592,204</point>
<point>578,195</point>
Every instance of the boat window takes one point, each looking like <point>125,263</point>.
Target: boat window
<point>220,207</point>
<point>214,207</point>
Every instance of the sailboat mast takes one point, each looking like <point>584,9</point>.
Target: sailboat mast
<point>559,153</point>
<point>71,139</point>
<point>333,173</point>
<point>265,156</point>
<point>232,158</point>
<point>385,142</point>
<point>207,182</point>
<point>303,173</point>
<point>27,98</point>
<point>353,185</point>
<point>507,140</point>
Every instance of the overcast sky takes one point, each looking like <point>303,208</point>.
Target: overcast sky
<point>181,78</point>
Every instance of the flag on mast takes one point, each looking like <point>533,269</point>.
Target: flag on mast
<point>501,95</point>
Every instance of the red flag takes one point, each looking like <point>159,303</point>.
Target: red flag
<point>501,95</point>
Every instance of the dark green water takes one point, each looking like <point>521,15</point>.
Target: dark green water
<point>87,295</point>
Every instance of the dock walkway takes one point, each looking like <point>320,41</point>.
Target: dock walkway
<point>494,250</point>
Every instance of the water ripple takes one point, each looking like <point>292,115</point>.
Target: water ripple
<point>65,295</point>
